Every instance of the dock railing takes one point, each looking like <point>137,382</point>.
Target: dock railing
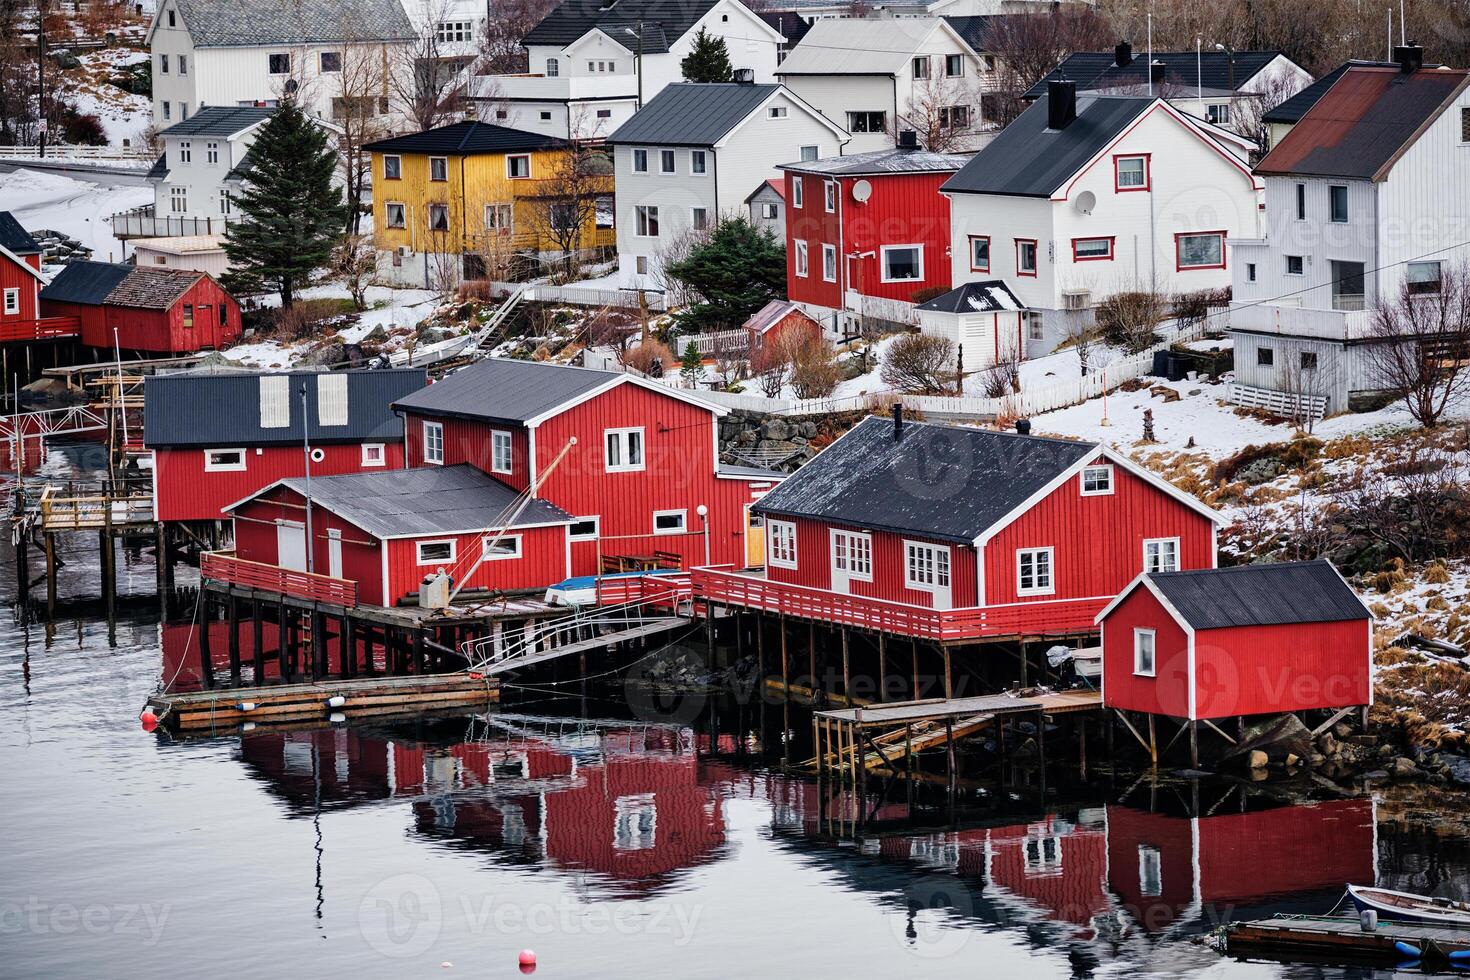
<point>60,512</point>
<point>223,566</point>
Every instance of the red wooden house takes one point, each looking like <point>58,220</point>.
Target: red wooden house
<point>777,320</point>
<point>640,461</point>
<point>20,277</point>
<point>1248,640</point>
<point>953,533</point>
<point>873,225</point>
<point>147,309</point>
<point>218,438</point>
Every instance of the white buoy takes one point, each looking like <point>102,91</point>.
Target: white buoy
<point>336,701</point>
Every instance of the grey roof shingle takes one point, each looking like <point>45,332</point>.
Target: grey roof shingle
<point>977,29</point>
<point>425,501</point>
<point>1260,595</point>
<point>466,137</point>
<point>1028,160</point>
<point>185,409</point>
<point>254,23</point>
<point>942,482</point>
<point>1093,70</point>
<point>15,238</point>
<point>502,390</point>
<point>692,114</point>
<point>663,22</point>
<point>894,161</point>
<point>219,120</point>
<point>88,283</point>
<point>989,296</point>
<point>159,170</point>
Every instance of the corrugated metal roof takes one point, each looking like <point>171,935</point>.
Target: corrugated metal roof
<point>1361,124</point>
<point>14,238</point>
<point>989,296</point>
<point>692,114</point>
<point>1260,595</point>
<point>878,162</point>
<point>1028,160</point>
<point>219,120</point>
<point>187,409</point>
<point>88,283</point>
<point>1295,107</point>
<point>467,137</point>
<point>857,46</point>
<point>1097,70</point>
<point>501,390</point>
<point>939,481</point>
<point>425,501</point>
<point>771,314</point>
<point>250,23</point>
<point>662,22</point>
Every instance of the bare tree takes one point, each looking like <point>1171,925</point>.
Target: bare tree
<point>1421,343</point>
<point>428,77</point>
<point>1248,112</point>
<point>943,112</point>
<point>501,51</point>
<point>918,363</point>
<point>359,94</point>
<point>564,206</point>
<point>1028,46</point>
<point>1307,384</point>
<point>355,262</point>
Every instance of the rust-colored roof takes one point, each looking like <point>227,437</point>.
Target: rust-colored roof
<point>152,289</point>
<point>1364,122</point>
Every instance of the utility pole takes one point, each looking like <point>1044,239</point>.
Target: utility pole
<point>306,458</point>
<point>639,61</point>
<point>41,9</point>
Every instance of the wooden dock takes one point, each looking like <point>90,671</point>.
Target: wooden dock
<point>1341,939</point>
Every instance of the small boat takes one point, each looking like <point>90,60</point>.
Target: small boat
<point>1407,907</point>
<point>615,587</point>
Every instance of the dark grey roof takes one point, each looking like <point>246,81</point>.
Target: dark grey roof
<point>88,283</point>
<point>1028,160</point>
<point>238,171</point>
<point>692,114</point>
<point>1295,107</point>
<point>662,21</point>
<point>467,137</point>
<point>15,238</point>
<point>989,296</point>
<point>1093,70</point>
<point>425,501</point>
<point>222,410</point>
<point>159,170</point>
<point>791,26</point>
<point>219,120</point>
<point>251,23</point>
<point>501,390</point>
<point>877,162</point>
<point>977,30</point>
<point>939,481</point>
<point>1260,595</point>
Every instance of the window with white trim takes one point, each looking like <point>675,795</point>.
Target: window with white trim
<point>781,551</point>
<point>902,263</point>
<point>624,449</point>
<point>12,301</point>
<point>829,263</point>
<point>224,460</point>
<point>797,186</point>
<point>852,553</point>
<point>670,521</point>
<point>395,215</point>
<point>518,167</point>
<point>434,552</point>
<point>392,168</point>
<point>585,529</point>
<point>1161,555</point>
<point>640,161</point>
<point>500,452</point>
<point>926,566</point>
<point>501,548</point>
<point>801,259</point>
<point>829,195</point>
<point>1143,651</point>
<point>374,454</point>
<point>1034,571</point>
<point>1150,871</point>
<point>1097,480</point>
<point>434,443</point>
<point>698,164</point>
<point>438,168</point>
<point>1131,173</point>
<point>645,220</point>
<point>665,161</point>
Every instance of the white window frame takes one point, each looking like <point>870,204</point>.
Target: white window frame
<point>1158,543</point>
<point>776,112</point>
<point>1150,871</point>
<point>853,574</point>
<point>639,162</point>
<point>501,438</point>
<point>397,164</point>
<point>388,221</point>
<point>595,519</point>
<point>798,188</point>
<point>12,302</point>
<point>1050,588</point>
<point>829,262</point>
<point>1096,492</point>
<point>829,196</point>
<point>803,260</point>
<point>418,552</point>
<point>1139,632</point>
<point>210,466</point>
<point>883,251</point>
<point>621,435</point>
<point>382,449</point>
<point>703,167</point>
<point>683,516</point>
<point>509,170</point>
<point>444,168</point>
<point>781,544</point>
<point>486,541</point>
<point>942,573</point>
<point>671,158</point>
<point>699,219</point>
<point>645,216</point>
<point>434,432</point>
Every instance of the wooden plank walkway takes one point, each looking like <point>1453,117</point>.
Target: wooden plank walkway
<point>907,712</point>
<point>1339,939</point>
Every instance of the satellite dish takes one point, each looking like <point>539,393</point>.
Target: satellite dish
<point>1085,202</point>
<point>861,191</point>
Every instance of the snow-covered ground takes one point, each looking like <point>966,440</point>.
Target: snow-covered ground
<point>124,115</point>
<point>395,310</point>
<point>77,208</point>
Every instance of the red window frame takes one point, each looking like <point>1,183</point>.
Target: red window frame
<point>1036,251</point>
<point>973,240</point>
<point>1112,241</point>
<point>1148,172</point>
<point>1180,267</point>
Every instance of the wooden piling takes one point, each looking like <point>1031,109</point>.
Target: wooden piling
<point>206,662</point>
<point>257,641</point>
<point>232,607</point>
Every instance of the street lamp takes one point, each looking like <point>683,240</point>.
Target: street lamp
<point>703,513</point>
<point>1230,53</point>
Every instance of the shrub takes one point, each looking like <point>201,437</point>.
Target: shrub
<point>306,318</point>
<point>83,129</point>
<point>1128,319</point>
<point>918,363</point>
<point>814,368</point>
<point>1194,306</point>
<point>927,293</point>
<point>651,357</point>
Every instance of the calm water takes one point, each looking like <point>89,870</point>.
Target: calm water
<point>612,849</point>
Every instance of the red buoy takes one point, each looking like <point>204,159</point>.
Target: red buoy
<point>528,961</point>
<point>149,720</point>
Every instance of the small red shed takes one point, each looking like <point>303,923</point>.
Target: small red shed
<point>778,318</point>
<point>1247,640</point>
<point>20,273</point>
<point>150,310</point>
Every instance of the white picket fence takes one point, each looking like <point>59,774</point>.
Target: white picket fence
<point>625,299</point>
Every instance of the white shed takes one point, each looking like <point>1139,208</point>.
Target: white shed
<point>984,319</point>
<point>200,253</point>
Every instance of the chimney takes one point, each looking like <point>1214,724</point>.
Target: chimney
<point>1123,54</point>
<point>1061,104</point>
<point>908,140</point>
<point>1023,427</point>
<point>744,76</point>
<point>1156,72</point>
<point>897,421</point>
<point>1410,57</point>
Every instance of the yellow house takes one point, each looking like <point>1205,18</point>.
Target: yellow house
<point>461,201</point>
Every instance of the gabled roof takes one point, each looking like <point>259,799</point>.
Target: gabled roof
<point>1272,594</point>
<point>425,501</point>
<point>14,238</point>
<point>1026,159</point>
<point>662,23</point>
<point>878,162</point>
<point>989,296</point>
<point>861,46</point>
<point>255,23</point>
<point>184,409</point>
<point>977,30</point>
<point>1364,122</point>
<point>1093,70</point>
<point>771,185</point>
<point>773,313</point>
<point>939,481</point>
<point>88,283</point>
<point>469,137</point>
<point>702,113</point>
<point>788,24</point>
<point>219,120</point>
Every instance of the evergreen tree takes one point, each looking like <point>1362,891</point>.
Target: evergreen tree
<point>291,214</point>
<point>708,60</point>
<point>739,269</point>
<point>691,364</point>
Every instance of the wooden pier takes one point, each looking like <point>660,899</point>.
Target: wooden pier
<point>1342,939</point>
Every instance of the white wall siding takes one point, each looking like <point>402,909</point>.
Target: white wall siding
<point>1315,238</point>
<point>837,95</point>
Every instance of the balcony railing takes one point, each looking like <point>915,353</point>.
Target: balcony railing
<point>1041,618</point>
<point>144,223</point>
<point>46,328</point>
<point>554,88</point>
<point>1301,321</point>
<point>223,566</point>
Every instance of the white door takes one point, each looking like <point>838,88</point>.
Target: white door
<point>291,545</point>
<point>852,560</point>
<point>334,553</point>
<point>926,569</point>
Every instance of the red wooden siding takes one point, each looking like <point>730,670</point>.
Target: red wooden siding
<point>255,540</point>
<point>1248,670</point>
<point>1323,845</point>
<point>1098,540</point>
<point>543,561</point>
<point>1132,832</point>
<point>1062,871</point>
<point>159,331</point>
<point>13,276</point>
<point>187,493</point>
<point>813,224</point>
<point>1167,692</point>
<point>466,441</point>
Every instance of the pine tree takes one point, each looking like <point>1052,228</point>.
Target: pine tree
<point>739,269</point>
<point>691,363</point>
<point>291,213</point>
<point>708,60</point>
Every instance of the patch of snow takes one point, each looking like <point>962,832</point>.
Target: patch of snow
<point>77,208</point>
